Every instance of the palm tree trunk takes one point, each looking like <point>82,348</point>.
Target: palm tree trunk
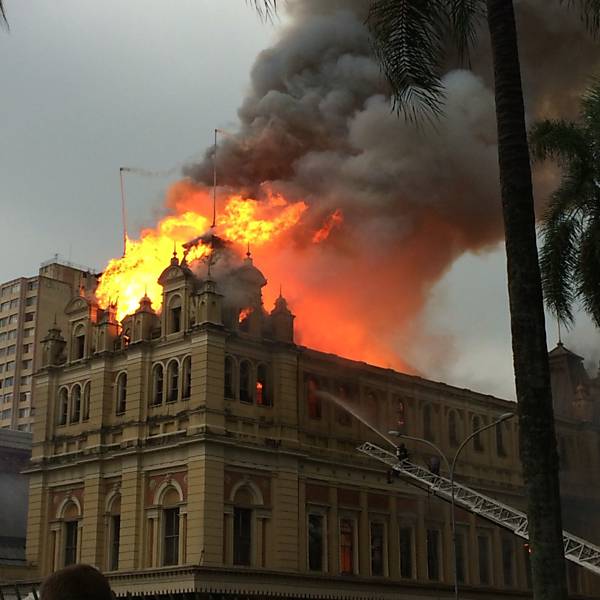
<point>539,456</point>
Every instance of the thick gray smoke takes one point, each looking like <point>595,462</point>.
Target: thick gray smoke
<point>317,126</point>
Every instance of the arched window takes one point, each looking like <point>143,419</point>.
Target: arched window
<point>452,429</point>
<point>170,516</point>
<point>477,442</point>
<point>75,403</point>
<point>313,401</point>
<point>71,518</point>
<point>121,393</point>
<point>174,315</point>
<point>229,377</point>
<point>245,382</point>
<point>173,381</point>
<point>263,391</point>
<point>427,423</point>
<point>187,378</point>
<point>242,527</point>
<point>114,533</point>
<point>86,402</point>
<point>157,384</point>
<point>63,406</point>
<point>79,342</point>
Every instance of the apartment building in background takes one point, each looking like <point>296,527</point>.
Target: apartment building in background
<point>28,308</point>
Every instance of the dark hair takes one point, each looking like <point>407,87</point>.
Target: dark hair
<point>76,582</point>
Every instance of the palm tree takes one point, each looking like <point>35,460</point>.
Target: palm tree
<point>410,41</point>
<point>570,254</point>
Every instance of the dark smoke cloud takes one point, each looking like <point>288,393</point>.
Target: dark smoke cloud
<point>317,126</point>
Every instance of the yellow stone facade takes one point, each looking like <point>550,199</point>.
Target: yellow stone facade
<point>159,458</point>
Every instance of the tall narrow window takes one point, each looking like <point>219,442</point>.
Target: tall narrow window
<point>63,406</point>
<point>121,393</point>
<point>452,429</point>
<point>427,423</point>
<point>371,409</point>
<point>460,556</point>
<point>508,562</point>
<point>173,381</point>
<point>245,385</point>
<point>187,378</point>
<point>75,404</point>
<point>406,553</point>
<point>312,399</point>
<point>229,385</point>
<point>174,316</point>
<point>483,546</point>
<point>433,554</point>
<point>400,416</point>
<point>500,449</point>
<point>377,549</point>
<point>242,536</point>
<point>115,536</point>
<point>70,543</point>
<point>171,536</point>
<point>343,414</point>
<point>157,384</point>
<point>79,342</point>
<point>315,542</point>
<point>86,402</point>
<point>477,441</point>
<point>347,546</point>
<point>263,393</point>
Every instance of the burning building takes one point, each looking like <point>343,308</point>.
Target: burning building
<point>186,450</point>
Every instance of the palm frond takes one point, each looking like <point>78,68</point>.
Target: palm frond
<point>589,268</point>
<point>3,19</point>
<point>465,16</point>
<point>560,140</point>
<point>589,10</point>
<point>558,265</point>
<point>590,113</point>
<point>408,40</point>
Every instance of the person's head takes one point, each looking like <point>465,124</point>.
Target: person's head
<point>76,582</point>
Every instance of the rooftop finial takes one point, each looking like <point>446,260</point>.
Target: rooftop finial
<point>248,251</point>
<point>280,291</point>
<point>559,333</point>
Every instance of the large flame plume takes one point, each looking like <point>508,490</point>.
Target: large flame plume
<point>243,221</point>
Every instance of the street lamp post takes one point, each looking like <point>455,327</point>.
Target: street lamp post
<point>451,467</point>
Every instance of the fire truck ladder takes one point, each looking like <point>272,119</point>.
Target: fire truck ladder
<point>577,550</point>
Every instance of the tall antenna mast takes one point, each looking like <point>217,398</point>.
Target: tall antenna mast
<point>214,182</point>
<point>123,212</point>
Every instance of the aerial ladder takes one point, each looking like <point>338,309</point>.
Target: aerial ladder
<point>577,550</point>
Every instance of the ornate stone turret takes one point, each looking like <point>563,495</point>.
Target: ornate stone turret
<point>138,327</point>
<point>53,348</point>
<point>82,315</point>
<point>209,307</point>
<point>107,330</point>
<point>282,321</point>
<point>178,284</point>
<point>250,282</point>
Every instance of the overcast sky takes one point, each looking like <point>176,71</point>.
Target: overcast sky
<point>88,87</point>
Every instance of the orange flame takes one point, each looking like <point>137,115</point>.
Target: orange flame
<point>244,314</point>
<point>244,221</point>
<point>335,220</point>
